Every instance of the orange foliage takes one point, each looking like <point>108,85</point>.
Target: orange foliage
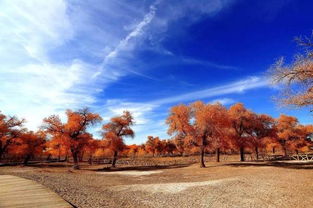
<point>115,131</point>
<point>242,121</point>
<point>10,129</point>
<point>28,145</point>
<point>74,131</point>
<point>199,124</point>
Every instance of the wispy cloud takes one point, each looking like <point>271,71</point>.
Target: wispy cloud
<point>235,87</point>
<point>150,116</point>
<point>34,27</point>
<point>34,91</point>
<point>134,33</point>
<point>147,122</point>
<point>207,63</point>
<point>51,50</point>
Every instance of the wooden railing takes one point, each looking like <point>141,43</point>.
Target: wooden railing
<point>304,157</point>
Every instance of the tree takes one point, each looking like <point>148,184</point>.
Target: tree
<point>262,126</point>
<point>91,149</point>
<point>57,147</point>
<point>198,124</point>
<point>133,150</point>
<point>223,141</point>
<point>10,129</point>
<point>115,131</point>
<point>287,131</point>
<point>29,144</point>
<point>271,144</point>
<point>301,142</point>
<point>242,123</point>
<point>74,131</point>
<point>154,145</point>
<point>169,146</point>
<point>180,144</point>
<point>297,77</point>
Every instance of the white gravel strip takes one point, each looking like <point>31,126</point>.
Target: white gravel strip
<point>168,187</point>
<point>131,173</point>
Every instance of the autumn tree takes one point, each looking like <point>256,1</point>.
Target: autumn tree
<point>271,144</point>
<point>133,150</point>
<point>91,149</point>
<point>74,131</point>
<point>198,124</point>
<point>29,145</point>
<point>287,131</point>
<point>179,142</point>
<point>142,150</point>
<point>10,129</point>
<point>154,145</point>
<point>223,141</point>
<point>301,142</point>
<point>115,131</point>
<point>296,77</point>
<point>242,123</point>
<point>169,146</point>
<point>57,147</point>
<point>263,126</point>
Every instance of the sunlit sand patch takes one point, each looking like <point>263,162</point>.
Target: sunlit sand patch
<point>131,173</point>
<point>169,187</point>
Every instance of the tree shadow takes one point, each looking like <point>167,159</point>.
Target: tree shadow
<point>141,168</point>
<point>280,164</point>
<point>51,165</point>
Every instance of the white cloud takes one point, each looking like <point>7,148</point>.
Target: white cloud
<point>138,110</point>
<point>207,63</point>
<point>150,122</point>
<point>146,122</point>
<point>37,90</point>
<point>34,26</point>
<point>223,101</point>
<point>49,50</point>
<point>235,87</point>
<point>41,73</point>
<point>134,33</point>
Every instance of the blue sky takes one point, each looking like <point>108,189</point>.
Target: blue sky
<point>144,56</point>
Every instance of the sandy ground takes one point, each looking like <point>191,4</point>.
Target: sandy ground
<point>221,185</point>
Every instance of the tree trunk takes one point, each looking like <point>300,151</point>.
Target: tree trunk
<point>114,159</point>
<point>285,151</point>
<point>81,157</point>
<point>59,156</point>
<point>49,156</point>
<point>217,155</point>
<point>75,158</point>
<point>273,150</point>
<point>242,154</point>
<point>1,153</point>
<point>4,148</point>
<point>202,165</point>
<point>26,159</point>
<point>257,153</point>
<point>90,160</point>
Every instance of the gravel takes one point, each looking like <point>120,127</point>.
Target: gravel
<point>219,185</point>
